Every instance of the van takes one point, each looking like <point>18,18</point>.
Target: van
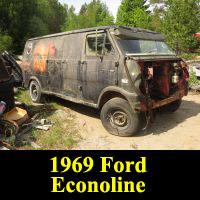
<point>122,71</point>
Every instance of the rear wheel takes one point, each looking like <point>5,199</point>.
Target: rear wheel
<point>119,119</point>
<point>35,92</point>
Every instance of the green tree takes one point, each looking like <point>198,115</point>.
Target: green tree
<point>157,16</point>
<point>180,22</point>
<point>14,19</point>
<point>157,1</point>
<point>134,13</point>
<point>23,19</point>
<point>52,13</point>
<point>37,27</point>
<point>5,42</point>
<point>71,21</point>
<point>93,14</point>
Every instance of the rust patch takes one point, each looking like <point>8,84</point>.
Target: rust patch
<point>156,104</point>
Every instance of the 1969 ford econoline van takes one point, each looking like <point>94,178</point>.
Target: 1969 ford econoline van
<point>121,71</point>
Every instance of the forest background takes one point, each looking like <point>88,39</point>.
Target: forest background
<point>177,20</point>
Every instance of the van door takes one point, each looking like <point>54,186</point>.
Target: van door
<point>98,68</point>
<point>72,51</point>
<point>55,64</point>
<point>55,75</point>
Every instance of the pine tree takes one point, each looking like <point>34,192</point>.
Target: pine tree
<point>134,13</point>
<point>93,14</point>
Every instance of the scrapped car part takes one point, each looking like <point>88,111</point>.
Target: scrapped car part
<point>18,115</point>
<point>6,86</point>
<point>4,74</point>
<point>5,146</point>
<point>8,128</point>
<point>103,65</point>
<point>196,69</point>
<point>16,69</point>
<point>12,120</point>
<point>11,117</point>
<point>2,148</point>
<point>10,77</point>
<point>2,107</point>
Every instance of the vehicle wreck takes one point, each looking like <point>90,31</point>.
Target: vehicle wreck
<point>11,117</point>
<point>124,72</point>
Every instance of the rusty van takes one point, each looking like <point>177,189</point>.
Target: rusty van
<point>122,71</point>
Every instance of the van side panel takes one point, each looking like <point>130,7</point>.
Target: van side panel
<point>41,59</point>
<point>34,62</point>
<point>72,50</point>
<point>54,64</point>
<point>61,66</point>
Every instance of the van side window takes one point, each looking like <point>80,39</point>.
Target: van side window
<point>91,45</point>
<point>98,44</point>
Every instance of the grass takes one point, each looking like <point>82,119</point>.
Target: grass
<point>64,134</point>
<point>23,96</point>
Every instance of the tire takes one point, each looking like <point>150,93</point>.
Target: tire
<point>35,92</point>
<point>174,106</point>
<point>119,119</point>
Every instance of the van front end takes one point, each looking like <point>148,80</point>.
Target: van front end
<point>155,73</point>
<point>158,83</point>
<point>152,75</point>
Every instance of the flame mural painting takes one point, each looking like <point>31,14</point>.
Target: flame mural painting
<point>41,53</point>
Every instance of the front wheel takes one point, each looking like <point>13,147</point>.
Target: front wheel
<point>119,119</point>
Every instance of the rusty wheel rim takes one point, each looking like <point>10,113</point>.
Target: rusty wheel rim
<point>34,92</point>
<point>118,119</point>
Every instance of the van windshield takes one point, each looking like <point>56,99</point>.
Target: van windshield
<point>144,47</point>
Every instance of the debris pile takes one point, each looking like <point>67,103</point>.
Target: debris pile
<point>16,123</point>
<point>14,117</point>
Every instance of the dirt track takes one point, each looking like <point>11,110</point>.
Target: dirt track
<point>180,130</point>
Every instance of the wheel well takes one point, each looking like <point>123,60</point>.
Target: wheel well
<point>33,79</point>
<point>30,82</point>
<point>108,96</point>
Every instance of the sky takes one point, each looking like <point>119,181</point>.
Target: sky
<point>112,4</point>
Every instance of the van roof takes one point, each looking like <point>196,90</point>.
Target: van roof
<point>136,30</point>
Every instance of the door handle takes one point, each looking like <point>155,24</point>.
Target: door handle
<point>83,62</point>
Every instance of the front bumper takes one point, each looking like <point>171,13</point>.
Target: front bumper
<point>153,104</point>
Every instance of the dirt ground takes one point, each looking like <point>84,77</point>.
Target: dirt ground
<point>176,131</point>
